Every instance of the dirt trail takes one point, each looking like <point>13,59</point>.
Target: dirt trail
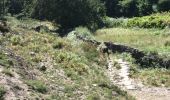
<point>120,77</point>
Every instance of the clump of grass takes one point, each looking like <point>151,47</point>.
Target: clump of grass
<point>167,43</point>
<point>155,77</point>
<point>2,92</point>
<point>143,39</point>
<point>71,61</point>
<point>5,61</point>
<point>37,85</point>
<point>16,40</point>
<point>84,32</point>
<point>8,72</point>
<point>60,44</point>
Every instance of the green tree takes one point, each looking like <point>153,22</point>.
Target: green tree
<point>70,13</point>
<point>164,5</point>
<point>128,8</point>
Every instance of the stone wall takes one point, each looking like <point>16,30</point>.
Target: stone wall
<point>143,59</point>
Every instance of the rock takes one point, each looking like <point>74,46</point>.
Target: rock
<point>114,93</point>
<point>42,67</point>
<point>32,53</point>
<point>94,85</point>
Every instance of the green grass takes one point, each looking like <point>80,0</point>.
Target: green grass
<point>144,39</point>
<point>8,72</point>
<point>154,77</point>
<point>2,92</point>
<point>38,86</point>
<point>148,40</point>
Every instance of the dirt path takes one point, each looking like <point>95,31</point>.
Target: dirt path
<point>120,77</point>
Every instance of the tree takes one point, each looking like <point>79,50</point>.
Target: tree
<point>164,5</point>
<point>128,8</point>
<point>70,13</point>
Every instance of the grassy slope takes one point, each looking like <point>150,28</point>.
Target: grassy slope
<point>66,69</point>
<point>155,40</point>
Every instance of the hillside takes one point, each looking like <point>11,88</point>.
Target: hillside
<point>41,65</point>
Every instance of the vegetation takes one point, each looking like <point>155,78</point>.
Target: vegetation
<point>70,66</point>
<point>37,86</point>
<point>2,92</point>
<point>43,42</point>
<point>159,20</point>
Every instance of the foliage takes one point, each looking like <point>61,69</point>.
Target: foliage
<point>159,20</point>
<point>163,5</point>
<point>70,13</point>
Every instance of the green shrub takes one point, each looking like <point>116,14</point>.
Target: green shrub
<point>84,32</point>
<point>160,20</point>
<point>37,85</point>
<point>114,22</point>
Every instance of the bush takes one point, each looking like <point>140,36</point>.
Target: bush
<point>160,20</point>
<point>84,32</point>
<point>164,5</point>
<point>113,22</point>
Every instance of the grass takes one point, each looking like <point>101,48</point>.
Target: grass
<point>148,40</point>
<point>145,39</point>
<point>8,72</point>
<point>38,86</point>
<point>155,77</point>
<point>2,92</point>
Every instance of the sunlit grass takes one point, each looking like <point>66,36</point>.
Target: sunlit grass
<point>144,39</point>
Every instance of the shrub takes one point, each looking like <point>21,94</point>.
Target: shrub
<point>161,20</point>
<point>113,22</point>
<point>84,32</point>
